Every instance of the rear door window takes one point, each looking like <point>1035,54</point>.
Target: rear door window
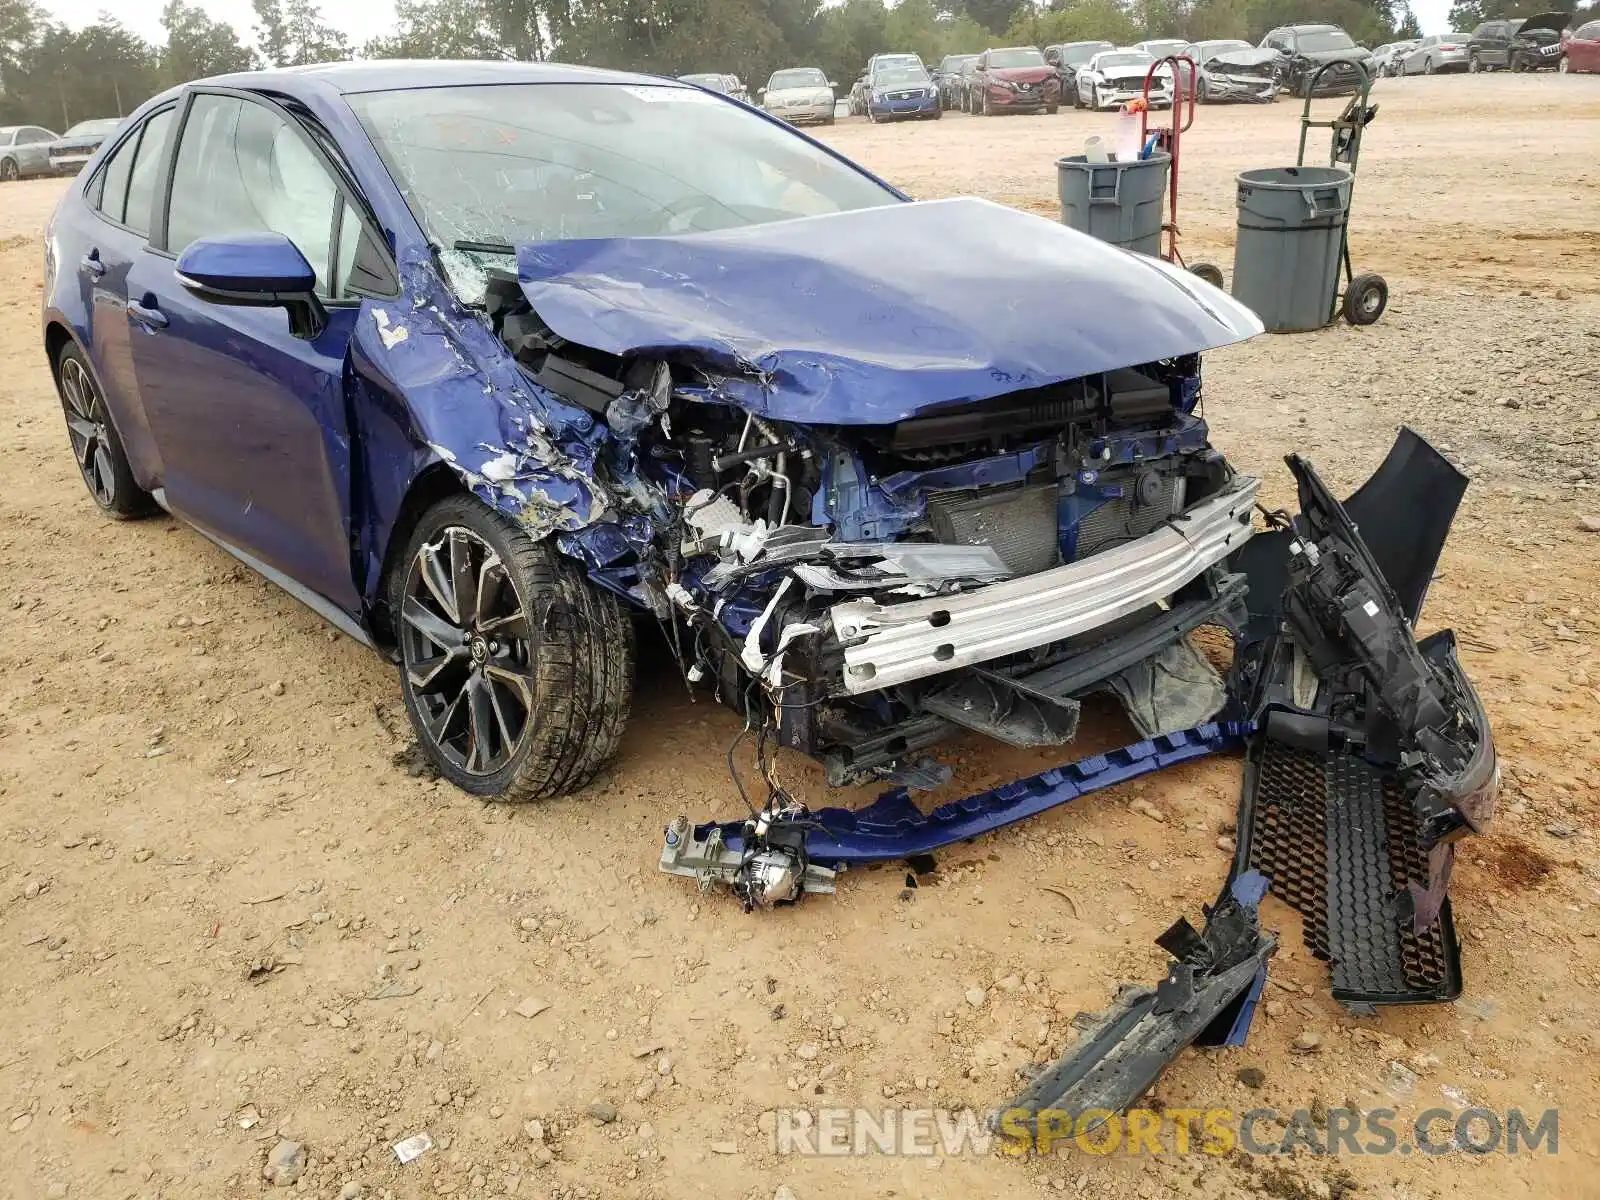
<point>147,160</point>
<point>110,191</point>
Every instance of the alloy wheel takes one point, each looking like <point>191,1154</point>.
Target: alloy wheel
<point>86,426</point>
<point>467,645</point>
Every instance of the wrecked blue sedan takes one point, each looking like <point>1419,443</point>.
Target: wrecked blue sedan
<point>489,363</point>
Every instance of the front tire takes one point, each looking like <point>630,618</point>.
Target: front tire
<point>517,672</point>
<point>96,446</point>
<point>1428,67</point>
<point>1561,66</point>
<point>1209,272</point>
<point>9,173</point>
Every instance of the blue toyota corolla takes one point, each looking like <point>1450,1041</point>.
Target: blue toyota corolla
<point>488,362</point>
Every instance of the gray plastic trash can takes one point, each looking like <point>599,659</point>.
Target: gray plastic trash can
<point>1117,202</point>
<point>1287,255</point>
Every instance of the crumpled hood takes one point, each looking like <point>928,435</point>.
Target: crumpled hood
<point>1545,23</point>
<point>869,317</point>
<point>1219,63</point>
<point>87,141</point>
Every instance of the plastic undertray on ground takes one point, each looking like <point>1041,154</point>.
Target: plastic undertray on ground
<point>1338,839</point>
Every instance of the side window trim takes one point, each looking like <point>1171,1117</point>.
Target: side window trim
<point>343,184</point>
<point>129,141</point>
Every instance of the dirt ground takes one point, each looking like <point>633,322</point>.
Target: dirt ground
<point>228,916</point>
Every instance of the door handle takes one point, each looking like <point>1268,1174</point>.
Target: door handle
<point>151,318</point>
<point>92,264</point>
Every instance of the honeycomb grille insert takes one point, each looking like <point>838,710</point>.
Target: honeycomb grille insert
<point>1315,819</point>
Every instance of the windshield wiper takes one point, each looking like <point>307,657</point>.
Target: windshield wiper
<point>483,247</point>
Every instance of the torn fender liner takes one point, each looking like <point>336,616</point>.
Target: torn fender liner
<point>868,317</point>
<point>1208,997</point>
<point>892,827</point>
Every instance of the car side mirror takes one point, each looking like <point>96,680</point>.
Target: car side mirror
<point>761,91</point>
<point>255,270</point>
<point>833,85</point>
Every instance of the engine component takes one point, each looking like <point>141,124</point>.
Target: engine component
<point>768,868</point>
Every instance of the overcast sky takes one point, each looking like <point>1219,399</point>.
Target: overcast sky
<point>363,19</point>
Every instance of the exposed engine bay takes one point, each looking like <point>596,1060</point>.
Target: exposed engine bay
<point>862,592</point>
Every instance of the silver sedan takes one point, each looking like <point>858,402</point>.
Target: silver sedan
<point>1435,53</point>
<point>24,151</point>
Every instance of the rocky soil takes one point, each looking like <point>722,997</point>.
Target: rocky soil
<point>246,948</point>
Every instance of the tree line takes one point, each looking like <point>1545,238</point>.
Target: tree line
<point>54,76</point>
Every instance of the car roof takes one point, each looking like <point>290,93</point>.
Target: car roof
<point>399,74</point>
<point>1314,28</point>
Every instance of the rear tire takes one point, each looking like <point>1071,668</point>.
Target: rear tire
<point>96,445</point>
<point>1365,299</point>
<point>494,626</point>
<point>1473,64</point>
<point>1209,272</point>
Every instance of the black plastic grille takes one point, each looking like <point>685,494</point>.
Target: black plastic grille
<point>1313,819</point>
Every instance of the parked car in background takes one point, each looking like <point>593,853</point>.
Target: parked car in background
<point>799,94</point>
<point>1385,59</point>
<point>1536,46</point>
<point>77,145</point>
<point>1015,79</point>
<point>1066,58</point>
<point>1161,47</point>
<point>717,83</point>
<point>948,79</point>
<point>1234,70</point>
<point>1489,45</point>
<point>967,85</point>
<point>898,90</point>
<point>857,98</point>
<point>1580,49</point>
<point>24,151</point>
<point>1436,53</point>
<point>1114,77</point>
<point>1304,49</point>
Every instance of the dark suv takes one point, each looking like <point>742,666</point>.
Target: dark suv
<point>1302,51</point>
<point>1489,46</point>
<point>1066,58</point>
<point>1536,44</point>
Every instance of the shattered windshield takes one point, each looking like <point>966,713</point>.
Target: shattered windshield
<point>90,128</point>
<point>1330,39</point>
<point>484,168</point>
<point>1206,51</point>
<point>1076,56</point>
<point>1023,57</point>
